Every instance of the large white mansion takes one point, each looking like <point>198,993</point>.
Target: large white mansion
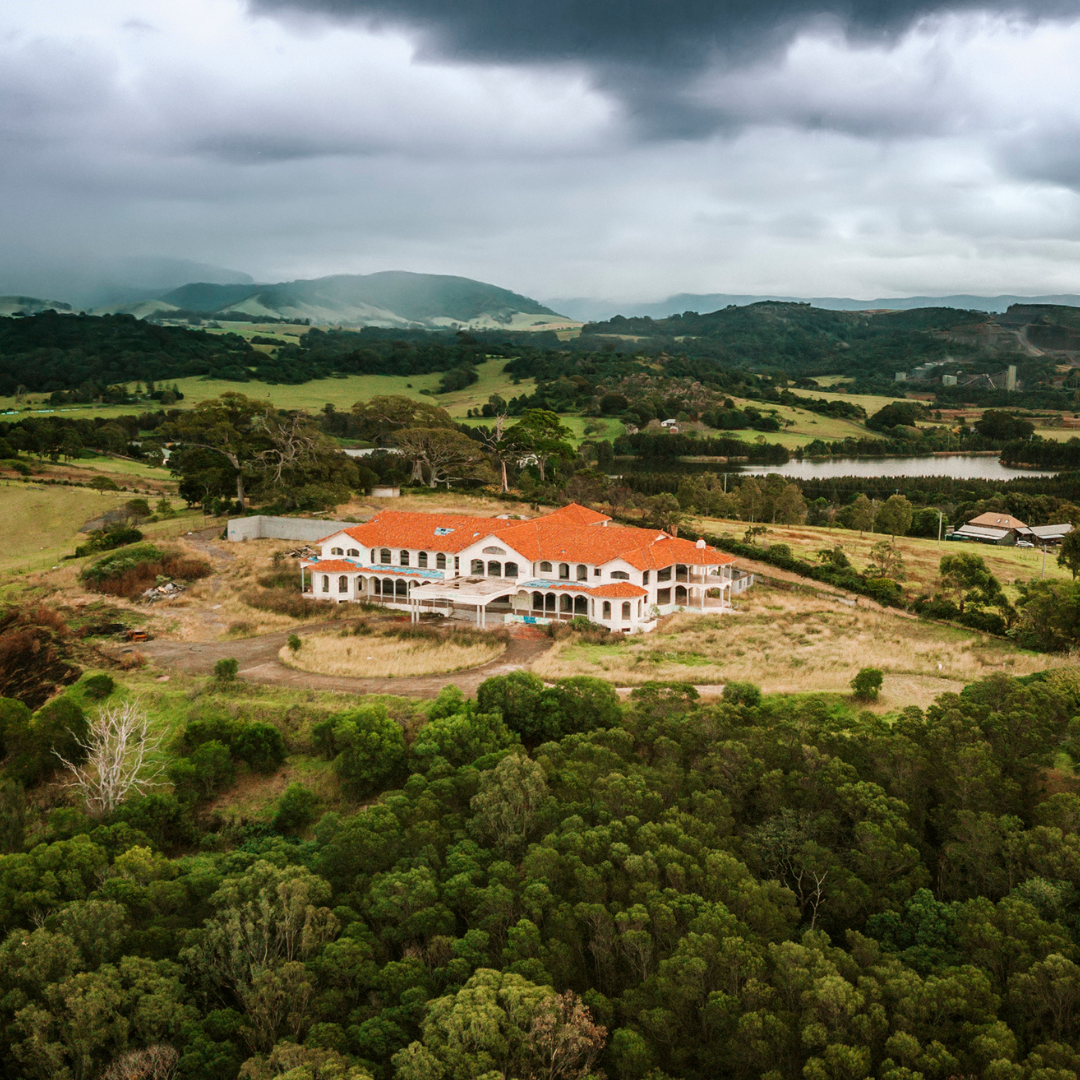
<point>570,562</point>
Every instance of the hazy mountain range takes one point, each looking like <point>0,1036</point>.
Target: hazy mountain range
<point>587,309</point>
<point>144,287</point>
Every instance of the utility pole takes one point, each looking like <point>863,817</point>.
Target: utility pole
<point>1043,572</point>
<point>940,517</point>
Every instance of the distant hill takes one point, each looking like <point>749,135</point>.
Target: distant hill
<point>29,305</point>
<point>591,310</point>
<point>389,299</point>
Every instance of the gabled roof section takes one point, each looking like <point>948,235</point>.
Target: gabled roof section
<point>426,532</point>
<point>994,520</point>
<point>576,514</point>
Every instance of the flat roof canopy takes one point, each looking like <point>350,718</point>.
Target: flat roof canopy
<point>472,590</point>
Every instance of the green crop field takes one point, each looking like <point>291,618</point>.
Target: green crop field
<point>341,393</point>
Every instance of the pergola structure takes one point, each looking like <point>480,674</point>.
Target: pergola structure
<point>444,596</point>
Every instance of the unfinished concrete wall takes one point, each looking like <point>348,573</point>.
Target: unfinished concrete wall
<point>261,526</point>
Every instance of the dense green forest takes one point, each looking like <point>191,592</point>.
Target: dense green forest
<point>731,350</point>
<point>49,352</point>
<point>548,882</point>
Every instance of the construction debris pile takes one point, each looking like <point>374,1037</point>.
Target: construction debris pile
<point>304,552</point>
<point>165,591</point>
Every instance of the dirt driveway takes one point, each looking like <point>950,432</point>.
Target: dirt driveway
<point>258,659</point>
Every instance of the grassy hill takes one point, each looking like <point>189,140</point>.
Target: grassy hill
<point>391,298</point>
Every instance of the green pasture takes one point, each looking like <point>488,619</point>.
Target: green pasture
<point>342,393</point>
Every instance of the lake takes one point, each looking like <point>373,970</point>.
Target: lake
<point>958,466</point>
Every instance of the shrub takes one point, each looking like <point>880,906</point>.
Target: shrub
<point>32,743</point>
<point>294,643</point>
<point>742,693</point>
<point>207,771</point>
<point>225,670</point>
<point>98,687</point>
<point>867,684</point>
<point>524,705</point>
<point>135,569</point>
<point>261,746</point>
<point>109,539</point>
<point>369,748</point>
<point>584,703</point>
<point>296,809</point>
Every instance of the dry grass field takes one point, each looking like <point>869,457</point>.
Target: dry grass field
<point>388,657</point>
<point>922,558</point>
<point>799,642</point>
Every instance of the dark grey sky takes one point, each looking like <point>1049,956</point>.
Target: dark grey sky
<point>627,150</point>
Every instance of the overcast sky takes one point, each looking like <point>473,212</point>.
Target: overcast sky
<point>627,149</point>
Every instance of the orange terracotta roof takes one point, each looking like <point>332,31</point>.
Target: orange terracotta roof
<point>424,532</point>
<point>644,549</point>
<point>333,566</point>
<point>559,537</point>
<point>619,589</point>
<point>578,514</point>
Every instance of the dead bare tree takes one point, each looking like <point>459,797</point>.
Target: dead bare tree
<point>294,441</point>
<point>118,746</point>
<point>157,1062</point>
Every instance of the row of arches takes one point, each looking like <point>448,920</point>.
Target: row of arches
<point>565,604</point>
<point>388,588</point>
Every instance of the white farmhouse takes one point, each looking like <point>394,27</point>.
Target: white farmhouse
<point>574,561</point>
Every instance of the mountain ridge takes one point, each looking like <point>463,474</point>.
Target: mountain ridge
<point>390,298</point>
<point>587,309</point>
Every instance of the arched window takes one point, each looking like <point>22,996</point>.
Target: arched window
<point>645,578</point>
<point>354,553</point>
<point>620,575</point>
<point>404,558</point>
<point>402,588</point>
<point>510,569</point>
<point>325,583</point>
<point>388,588</point>
<point>343,584</point>
<point>384,557</point>
<point>549,602</point>
<point>337,551</point>
<point>360,584</point>
<point>581,605</point>
<point>582,572</point>
<point>494,551</point>
<point>376,586</point>
<point>440,561</point>
<point>607,609</point>
<point>421,560</point>
<point>545,568</point>
<point>566,603</point>
<point>626,611</point>
<point>494,569</point>
<point>477,566</point>
<point>639,609</point>
<point>564,571</point>
<point>538,601</point>
<point>680,594</point>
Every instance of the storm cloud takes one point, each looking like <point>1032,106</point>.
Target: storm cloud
<point>624,150</point>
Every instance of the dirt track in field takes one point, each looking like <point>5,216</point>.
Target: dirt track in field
<point>258,659</point>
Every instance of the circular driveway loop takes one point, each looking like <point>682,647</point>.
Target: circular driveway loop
<point>258,659</point>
